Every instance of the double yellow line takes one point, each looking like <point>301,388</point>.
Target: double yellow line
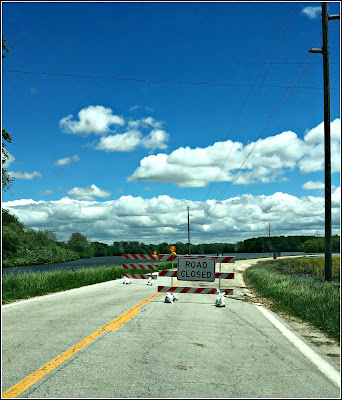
<point>112,326</point>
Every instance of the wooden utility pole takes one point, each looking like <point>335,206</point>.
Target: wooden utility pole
<point>317,235</point>
<point>269,238</point>
<point>188,232</point>
<point>327,147</point>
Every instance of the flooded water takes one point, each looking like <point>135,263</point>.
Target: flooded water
<point>118,260</point>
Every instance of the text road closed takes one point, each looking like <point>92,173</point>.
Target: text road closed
<point>196,269</point>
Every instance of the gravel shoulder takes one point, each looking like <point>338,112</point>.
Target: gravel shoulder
<point>329,347</point>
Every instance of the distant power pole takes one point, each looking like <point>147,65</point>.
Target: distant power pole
<point>327,147</point>
<point>269,238</point>
<point>188,232</point>
<point>317,236</point>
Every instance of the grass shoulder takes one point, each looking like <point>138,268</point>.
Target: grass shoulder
<point>295,287</point>
<point>20,286</point>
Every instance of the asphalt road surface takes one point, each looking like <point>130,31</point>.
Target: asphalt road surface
<point>123,341</point>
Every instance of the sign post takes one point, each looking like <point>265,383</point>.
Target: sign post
<point>172,253</point>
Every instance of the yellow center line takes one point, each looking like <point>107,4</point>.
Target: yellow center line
<point>112,326</point>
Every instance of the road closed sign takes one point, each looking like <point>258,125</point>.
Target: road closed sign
<point>196,269</point>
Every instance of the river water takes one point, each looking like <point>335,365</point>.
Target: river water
<point>117,260</point>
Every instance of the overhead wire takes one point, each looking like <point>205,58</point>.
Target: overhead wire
<point>157,81</point>
<point>240,111</point>
<point>257,94</point>
<point>270,120</point>
<point>255,62</point>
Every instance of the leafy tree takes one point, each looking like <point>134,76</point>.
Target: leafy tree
<point>163,248</point>
<point>118,249</point>
<point>7,181</point>
<point>8,218</point>
<point>100,249</point>
<point>336,243</point>
<point>4,47</point>
<point>181,248</point>
<point>22,245</point>
<point>50,235</point>
<point>75,238</point>
<point>84,249</point>
<point>315,245</point>
<point>10,242</point>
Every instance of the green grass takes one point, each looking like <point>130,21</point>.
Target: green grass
<point>309,267</point>
<point>30,284</point>
<point>303,296</point>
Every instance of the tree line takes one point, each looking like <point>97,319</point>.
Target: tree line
<point>22,245</point>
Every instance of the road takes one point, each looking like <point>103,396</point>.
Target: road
<point>125,341</point>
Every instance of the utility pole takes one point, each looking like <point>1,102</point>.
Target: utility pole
<point>327,147</point>
<point>317,236</point>
<point>269,238</point>
<point>188,232</point>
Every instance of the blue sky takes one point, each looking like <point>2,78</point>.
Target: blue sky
<point>213,106</point>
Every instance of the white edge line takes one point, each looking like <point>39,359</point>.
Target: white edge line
<point>321,364</point>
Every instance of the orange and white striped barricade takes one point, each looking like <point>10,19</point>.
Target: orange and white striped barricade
<point>146,257</point>
<point>149,267</point>
<point>138,276</point>
<point>192,289</point>
<point>198,268</point>
<point>172,258</point>
<point>140,266</point>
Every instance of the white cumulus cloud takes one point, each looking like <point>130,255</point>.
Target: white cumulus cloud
<point>313,145</point>
<point>156,139</point>
<point>257,162</point>
<point>313,185</point>
<point>133,139</point>
<point>127,141</point>
<point>92,119</point>
<point>88,193</point>
<point>145,122</point>
<point>163,218</point>
<point>25,175</point>
<point>312,12</point>
<point>98,120</point>
<point>67,160</point>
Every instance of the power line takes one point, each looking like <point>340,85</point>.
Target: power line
<point>268,123</point>
<point>259,62</point>
<point>160,81</point>
<point>247,97</point>
<point>250,109</point>
<point>270,120</point>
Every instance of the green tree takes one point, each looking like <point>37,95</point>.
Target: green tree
<point>100,249</point>
<point>118,249</point>
<point>4,47</point>
<point>336,243</point>
<point>163,248</point>
<point>8,219</point>
<point>84,249</point>
<point>75,238</point>
<point>7,181</point>
<point>50,235</point>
